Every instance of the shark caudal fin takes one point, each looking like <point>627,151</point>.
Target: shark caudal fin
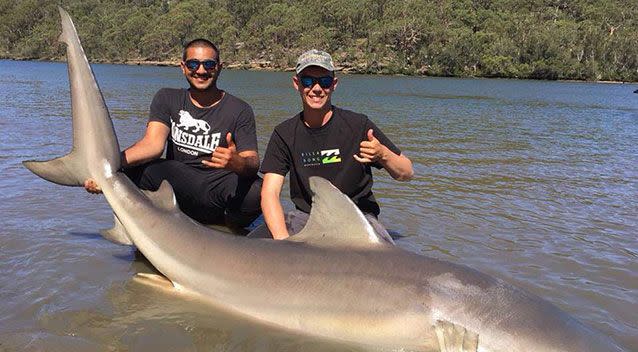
<point>336,221</point>
<point>95,151</point>
<point>58,170</point>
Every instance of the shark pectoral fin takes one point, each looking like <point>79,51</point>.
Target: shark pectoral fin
<point>164,197</point>
<point>336,221</point>
<point>455,338</point>
<point>154,280</point>
<point>60,170</point>
<point>117,234</point>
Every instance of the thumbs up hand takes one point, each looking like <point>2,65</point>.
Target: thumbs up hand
<point>370,151</point>
<point>224,158</point>
<point>230,142</point>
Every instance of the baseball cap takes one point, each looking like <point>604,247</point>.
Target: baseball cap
<point>314,58</point>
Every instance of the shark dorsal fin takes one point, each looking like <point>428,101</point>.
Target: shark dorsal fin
<point>336,222</point>
<point>164,197</point>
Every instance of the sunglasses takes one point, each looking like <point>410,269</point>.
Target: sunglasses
<point>324,82</point>
<point>193,64</point>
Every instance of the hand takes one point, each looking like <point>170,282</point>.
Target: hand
<point>224,158</point>
<point>370,151</point>
<point>92,187</point>
<point>280,237</point>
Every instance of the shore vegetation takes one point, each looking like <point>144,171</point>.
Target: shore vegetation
<point>538,39</point>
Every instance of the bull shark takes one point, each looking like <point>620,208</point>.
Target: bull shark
<point>336,279</point>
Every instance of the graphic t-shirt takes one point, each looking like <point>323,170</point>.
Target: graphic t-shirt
<point>196,132</point>
<point>328,152</point>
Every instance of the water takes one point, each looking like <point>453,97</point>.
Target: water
<point>533,182</point>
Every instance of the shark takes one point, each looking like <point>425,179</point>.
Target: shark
<point>336,279</point>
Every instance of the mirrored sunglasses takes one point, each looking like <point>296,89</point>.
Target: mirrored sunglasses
<point>324,82</point>
<point>193,64</point>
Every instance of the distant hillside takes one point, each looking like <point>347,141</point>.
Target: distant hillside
<point>544,39</point>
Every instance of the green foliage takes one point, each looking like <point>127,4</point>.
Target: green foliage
<point>542,39</point>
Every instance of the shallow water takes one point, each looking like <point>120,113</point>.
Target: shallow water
<point>533,182</point>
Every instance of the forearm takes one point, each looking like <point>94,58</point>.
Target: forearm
<point>274,216</point>
<point>140,153</point>
<point>150,147</point>
<point>398,166</point>
<point>271,205</point>
<point>246,166</point>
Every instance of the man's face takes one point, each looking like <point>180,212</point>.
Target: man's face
<point>201,78</point>
<point>314,96</point>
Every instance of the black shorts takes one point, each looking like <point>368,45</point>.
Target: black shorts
<point>208,196</point>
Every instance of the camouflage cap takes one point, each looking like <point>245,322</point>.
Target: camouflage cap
<point>314,58</point>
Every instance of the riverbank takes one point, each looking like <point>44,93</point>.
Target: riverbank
<point>345,68</point>
<point>252,65</point>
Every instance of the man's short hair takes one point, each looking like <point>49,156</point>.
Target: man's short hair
<point>200,43</point>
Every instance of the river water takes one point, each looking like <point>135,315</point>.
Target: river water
<point>533,182</point>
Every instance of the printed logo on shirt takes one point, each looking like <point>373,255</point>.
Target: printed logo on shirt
<point>330,156</point>
<point>193,134</point>
<point>186,121</point>
<point>322,157</point>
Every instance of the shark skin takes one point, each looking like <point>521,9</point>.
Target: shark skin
<point>336,279</point>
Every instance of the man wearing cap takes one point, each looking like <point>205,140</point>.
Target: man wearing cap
<point>324,140</point>
<point>211,145</point>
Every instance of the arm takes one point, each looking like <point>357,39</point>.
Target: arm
<point>150,147</point>
<point>397,165</point>
<point>271,205</point>
<point>249,163</point>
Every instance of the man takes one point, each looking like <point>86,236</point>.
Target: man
<point>325,141</point>
<point>211,159</point>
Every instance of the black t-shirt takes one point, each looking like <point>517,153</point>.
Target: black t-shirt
<point>196,132</point>
<point>328,152</point>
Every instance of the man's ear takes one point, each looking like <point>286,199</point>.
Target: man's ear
<point>335,83</point>
<point>295,82</point>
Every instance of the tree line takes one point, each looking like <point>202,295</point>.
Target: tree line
<point>539,39</point>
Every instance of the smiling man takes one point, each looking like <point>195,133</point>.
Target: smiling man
<point>211,145</point>
<point>323,140</point>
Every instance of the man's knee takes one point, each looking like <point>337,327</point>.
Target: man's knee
<point>245,205</point>
<point>160,170</point>
<point>150,175</point>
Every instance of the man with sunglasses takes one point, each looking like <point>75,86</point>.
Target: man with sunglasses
<point>327,141</point>
<point>211,145</point>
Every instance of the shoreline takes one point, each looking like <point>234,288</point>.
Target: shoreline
<point>263,65</point>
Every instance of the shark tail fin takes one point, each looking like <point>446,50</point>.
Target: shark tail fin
<point>59,170</point>
<point>87,152</point>
<point>117,234</point>
<point>68,28</point>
